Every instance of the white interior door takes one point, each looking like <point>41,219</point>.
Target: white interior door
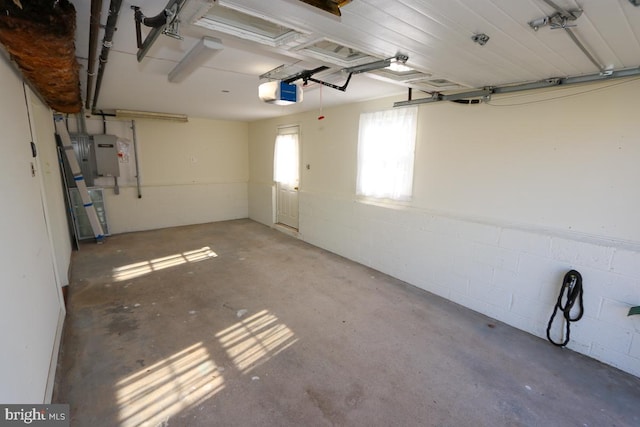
<point>30,306</point>
<point>287,197</point>
<point>287,176</point>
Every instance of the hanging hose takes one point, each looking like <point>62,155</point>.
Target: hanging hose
<point>572,284</point>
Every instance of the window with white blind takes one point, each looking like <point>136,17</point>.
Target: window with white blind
<point>286,158</point>
<point>386,146</point>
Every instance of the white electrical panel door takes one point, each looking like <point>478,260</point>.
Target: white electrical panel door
<point>106,151</point>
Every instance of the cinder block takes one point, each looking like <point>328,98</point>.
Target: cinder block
<point>624,289</point>
<point>626,262</point>
<point>529,242</point>
<point>443,225</point>
<point>474,269</point>
<point>480,233</point>
<point>546,271</point>
<point>592,304</point>
<point>412,220</point>
<point>518,286</point>
<point>496,257</point>
<point>635,346</point>
<point>615,312</point>
<point>456,282</point>
<point>437,289</point>
<point>599,285</point>
<point>448,246</point>
<point>473,303</point>
<point>506,278</point>
<point>581,254</point>
<point>530,308</point>
<point>497,313</point>
<point>613,337</point>
<point>585,330</point>
<point>517,321</point>
<point>619,360</point>
<point>579,346</point>
<point>491,294</point>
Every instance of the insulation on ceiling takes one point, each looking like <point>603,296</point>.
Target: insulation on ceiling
<point>39,36</point>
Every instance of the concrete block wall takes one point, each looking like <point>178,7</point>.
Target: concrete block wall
<point>505,202</point>
<point>507,272</point>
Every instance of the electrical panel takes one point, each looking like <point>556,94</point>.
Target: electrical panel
<point>106,150</point>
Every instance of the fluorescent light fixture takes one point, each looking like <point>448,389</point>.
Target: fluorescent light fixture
<point>204,50</point>
<point>133,114</point>
<point>279,93</point>
<point>376,65</point>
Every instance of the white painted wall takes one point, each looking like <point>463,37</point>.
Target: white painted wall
<point>52,186</point>
<point>31,308</point>
<point>191,173</point>
<point>507,198</point>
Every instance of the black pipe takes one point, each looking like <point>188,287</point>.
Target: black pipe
<point>138,17</point>
<point>107,42</point>
<point>94,28</point>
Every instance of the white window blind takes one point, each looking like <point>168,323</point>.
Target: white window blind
<point>286,168</point>
<point>386,147</point>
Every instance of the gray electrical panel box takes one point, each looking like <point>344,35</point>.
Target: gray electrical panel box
<point>106,149</point>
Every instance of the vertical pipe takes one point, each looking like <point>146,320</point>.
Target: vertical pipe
<point>107,42</point>
<point>135,153</point>
<point>94,27</point>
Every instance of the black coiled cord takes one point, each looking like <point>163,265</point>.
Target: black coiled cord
<point>572,285</point>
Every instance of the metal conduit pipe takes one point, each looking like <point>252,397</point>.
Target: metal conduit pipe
<point>94,28</point>
<point>107,42</point>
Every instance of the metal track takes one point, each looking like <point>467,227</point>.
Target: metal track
<point>488,91</point>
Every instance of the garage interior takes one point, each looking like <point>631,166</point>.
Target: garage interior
<point>191,235</point>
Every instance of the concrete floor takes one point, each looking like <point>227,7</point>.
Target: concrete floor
<point>236,324</point>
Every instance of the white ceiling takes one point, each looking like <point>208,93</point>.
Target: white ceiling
<point>435,34</point>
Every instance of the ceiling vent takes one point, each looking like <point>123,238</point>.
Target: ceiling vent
<point>435,84</point>
<point>401,75</point>
<point>329,51</point>
<point>234,20</point>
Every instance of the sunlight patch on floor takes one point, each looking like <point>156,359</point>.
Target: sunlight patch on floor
<point>138,269</point>
<point>256,339</point>
<point>154,394</point>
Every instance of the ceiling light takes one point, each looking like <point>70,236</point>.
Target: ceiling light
<point>133,114</point>
<point>204,50</point>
